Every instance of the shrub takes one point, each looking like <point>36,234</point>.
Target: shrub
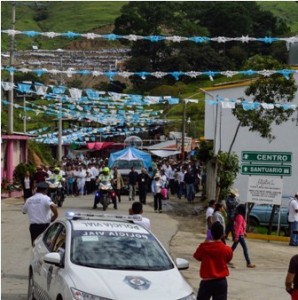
<point>20,170</point>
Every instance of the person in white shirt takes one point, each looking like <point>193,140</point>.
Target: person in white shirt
<point>209,218</point>
<point>81,178</point>
<point>94,174</point>
<point>181,185</point>
<point>41,211</point>
<point>137,210</point>
<point>293,220</point>
<point>169,172</point>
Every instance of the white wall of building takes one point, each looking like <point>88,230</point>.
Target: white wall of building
<point>286,137</point>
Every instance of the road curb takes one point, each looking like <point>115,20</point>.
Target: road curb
<point>266,237</point>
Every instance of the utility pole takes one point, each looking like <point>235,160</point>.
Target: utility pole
<point>11,75</point>
<point>185,101</point>
<point>183,131</point>
<point>60,117</point>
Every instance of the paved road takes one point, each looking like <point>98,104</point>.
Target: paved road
<point>180,235</point>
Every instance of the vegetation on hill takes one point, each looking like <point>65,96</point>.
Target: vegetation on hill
<point>286,10</point>
<point>184,18</point>
<point>57,16</point>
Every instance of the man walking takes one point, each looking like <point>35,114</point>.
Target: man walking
<point>293,220</point>
<point>189,180</point>
<point>143,183</point>
<point>231,206</point>
<point>41,211</point>
<point>132,182</point>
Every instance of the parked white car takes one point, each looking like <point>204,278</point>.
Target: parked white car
<point>103,257</point>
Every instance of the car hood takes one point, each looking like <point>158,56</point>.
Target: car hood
<point>123,285</point>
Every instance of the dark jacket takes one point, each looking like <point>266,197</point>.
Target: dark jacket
<point>132,177</point>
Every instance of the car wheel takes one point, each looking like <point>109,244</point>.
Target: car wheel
<point>252,225</point>
<point>31,287</point>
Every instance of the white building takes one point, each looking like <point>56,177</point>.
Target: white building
<point>221,124</point>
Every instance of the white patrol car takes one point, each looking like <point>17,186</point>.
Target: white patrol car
<point>103,257</point>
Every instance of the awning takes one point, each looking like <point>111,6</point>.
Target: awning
<point>164,153</point>
<point>98,145</point>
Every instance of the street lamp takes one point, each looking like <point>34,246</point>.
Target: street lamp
<point>60,111</point>
<point>188,124</point>
<point>185,101</point>
<point>11,74</point>
<point>24,118</point>
<point>25,91</point>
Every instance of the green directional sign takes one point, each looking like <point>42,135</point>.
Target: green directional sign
<point>269,170</point>
<point>266,157</point>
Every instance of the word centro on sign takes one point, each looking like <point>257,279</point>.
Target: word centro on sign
<point>272,157</point>
<point>266,157</point>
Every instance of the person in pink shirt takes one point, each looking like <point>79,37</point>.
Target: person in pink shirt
<point>240,233</point>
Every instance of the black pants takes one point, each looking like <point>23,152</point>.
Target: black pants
<point>88,187</point>
<point>93,186</point>
<point>158,201</point>
<point>230,227</point>
<point>142,194</point>
<point>117,192</point>
<point>36,230</point>
<point>215,288</point>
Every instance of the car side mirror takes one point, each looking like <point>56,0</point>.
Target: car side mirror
<point>53,258</point>
<point>182,264</point>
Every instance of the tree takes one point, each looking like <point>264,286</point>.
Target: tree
<point>194,19</point>
<point>227,169</point>
<point>272,89</point>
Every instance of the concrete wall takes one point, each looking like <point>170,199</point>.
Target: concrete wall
<point>226,124</point>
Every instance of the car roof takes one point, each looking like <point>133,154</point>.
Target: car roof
<point>105,222</point>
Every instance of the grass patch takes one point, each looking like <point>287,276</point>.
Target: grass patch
<point>62,16</point>
<point>264,230</point>
<point>286,10</point>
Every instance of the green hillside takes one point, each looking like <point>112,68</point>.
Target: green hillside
<point>90,16</point>
<point>62,16</point>
<point>286,10</point>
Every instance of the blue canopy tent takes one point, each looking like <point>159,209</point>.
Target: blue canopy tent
<point>131,153</point>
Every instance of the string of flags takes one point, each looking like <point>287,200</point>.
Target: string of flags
<point>177,75</point>
<point>152,38</point>
<point>79,135</point>
<point>112,101</point>
<point>106,111</point>
<point>110,109</point>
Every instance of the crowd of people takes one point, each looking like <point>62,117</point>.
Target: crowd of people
<point>81,177</point>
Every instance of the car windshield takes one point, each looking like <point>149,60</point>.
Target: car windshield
<point>118,250</point>
<point>128,164</point>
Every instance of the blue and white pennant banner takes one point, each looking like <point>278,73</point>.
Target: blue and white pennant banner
<point>152,38</point>
<point>177,75</point>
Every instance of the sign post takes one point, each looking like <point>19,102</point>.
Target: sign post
<point>264,190</point>
<point>264,187</point>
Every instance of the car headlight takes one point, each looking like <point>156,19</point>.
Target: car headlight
<point>192,296</point>
<point>79,295</point>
